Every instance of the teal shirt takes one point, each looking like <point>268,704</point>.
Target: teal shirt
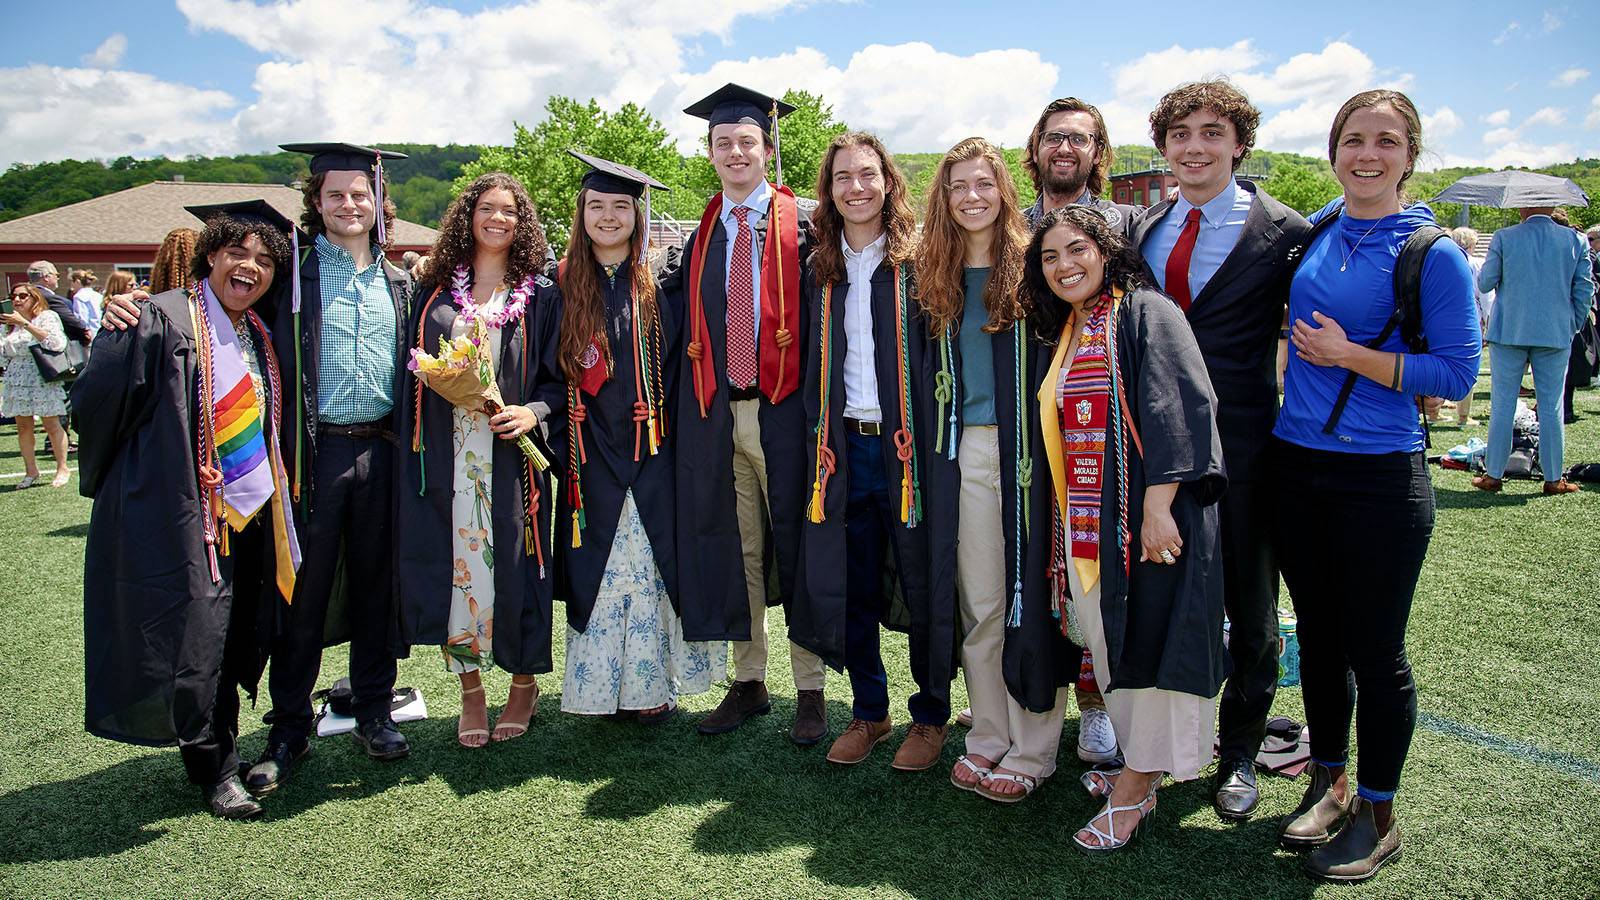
<point>356,362</point>
<point>977,352</point>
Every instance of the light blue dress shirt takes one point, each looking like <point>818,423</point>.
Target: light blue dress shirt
<point>757,203</point>
<point>357,359</point>
<point>1221,222</point>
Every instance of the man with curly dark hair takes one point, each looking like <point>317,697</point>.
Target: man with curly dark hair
<point>1224,251</point>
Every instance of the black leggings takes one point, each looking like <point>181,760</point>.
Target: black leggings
<point>1350,532</point>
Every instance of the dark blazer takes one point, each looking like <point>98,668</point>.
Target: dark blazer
<point>70,322</point>
<point>1236,319</point>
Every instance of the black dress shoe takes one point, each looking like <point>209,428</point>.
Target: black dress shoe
<point>381,738</point>
<point>1358,851</point>
<point>273,769</point>
<point>229,800</point>
<point>1237,795</point>
<point>1318,814</point>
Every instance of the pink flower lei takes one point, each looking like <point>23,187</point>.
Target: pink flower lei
<point>516,303</point>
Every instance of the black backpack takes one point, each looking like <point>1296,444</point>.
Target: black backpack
<point>1407,315</point>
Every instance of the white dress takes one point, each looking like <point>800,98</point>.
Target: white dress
<point>24,391</point>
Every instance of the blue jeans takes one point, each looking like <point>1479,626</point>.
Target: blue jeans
<point>871,515</point>
<point>1508,362</point>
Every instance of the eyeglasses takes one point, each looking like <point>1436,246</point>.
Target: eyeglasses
<point>1078,140</point>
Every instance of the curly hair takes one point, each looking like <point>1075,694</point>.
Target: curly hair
<point>1217,95</point>
<point>173,259</point>
<point>1123,266</point>
<point>1102,167</point>
<point>311,219</point>
<point>223,230</point>
<point>941,254</point>
<point>456,246</point>
<point>899,221</point>
<point>1395,100</point>
<point>582,308</point>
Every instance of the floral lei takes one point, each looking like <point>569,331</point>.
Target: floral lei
<point>516,302</point>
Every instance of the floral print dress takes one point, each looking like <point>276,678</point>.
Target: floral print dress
<point>471,625</point>
<point>25,392</point>
<point>633,655</point>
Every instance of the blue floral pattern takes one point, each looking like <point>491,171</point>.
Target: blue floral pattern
<point>634,637</point>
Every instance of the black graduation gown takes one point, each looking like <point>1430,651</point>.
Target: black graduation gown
<point>1034,662</point>
<point>424,564</point>
<point>611,471</point>
<point>1163,624</point>
<point>919,573</point>
<point>710,552</point>
<point>297,338</point>
<point>154,624</point>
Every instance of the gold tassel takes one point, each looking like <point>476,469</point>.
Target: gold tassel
<point>577,531</point>
<point>814,508</point>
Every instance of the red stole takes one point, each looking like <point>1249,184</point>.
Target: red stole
<point>780,302</point>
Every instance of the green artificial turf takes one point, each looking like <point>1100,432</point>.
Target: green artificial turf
<point>1501,796</point>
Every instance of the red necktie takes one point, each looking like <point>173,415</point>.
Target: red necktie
<point>742,308</point>
<point>1178,260</point>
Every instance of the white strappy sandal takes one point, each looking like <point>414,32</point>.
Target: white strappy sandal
<point>1098,782</point>
<point>972,767</point>
<point>1028,783</point>
<point>1108,842</point>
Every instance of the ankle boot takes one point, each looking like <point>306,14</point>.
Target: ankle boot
<point>1359,851</point>
<point>1312,823</point>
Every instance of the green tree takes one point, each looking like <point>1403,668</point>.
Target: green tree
<point>1301,187</point>
<point>421,199</point>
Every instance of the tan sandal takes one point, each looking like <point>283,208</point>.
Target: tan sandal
<point>462,734</point>
<point>512,730</point>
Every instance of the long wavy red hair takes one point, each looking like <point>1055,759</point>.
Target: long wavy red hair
<point>942,253</point>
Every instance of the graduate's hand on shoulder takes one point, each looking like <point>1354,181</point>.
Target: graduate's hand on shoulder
<point>122,310</point>
<point>512,422</point>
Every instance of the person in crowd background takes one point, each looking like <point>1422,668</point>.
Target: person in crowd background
<point>85,299</point>
<point>26,394</point>
<point>42,274</point>
<point>173,259</point>
<point>1467,239</point>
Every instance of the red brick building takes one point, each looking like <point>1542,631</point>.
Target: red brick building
<point>1148,182</point>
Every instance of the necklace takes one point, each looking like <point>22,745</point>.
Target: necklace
<point>516,303</point>
<point>1347,256</point>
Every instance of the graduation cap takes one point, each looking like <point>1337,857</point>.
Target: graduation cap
<point>245,211</point>
<point>609,177</point>
<point>327,156</point>
<point>734,104</point>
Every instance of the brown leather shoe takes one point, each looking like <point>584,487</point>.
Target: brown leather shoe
<point>921,748</point>
<point>1319,812</point>
<point>810,719</point>
<point>1559,486</point>
<point>857,741</point>
<point>743,700</point>
<point>1487,483</point>
<point>1358,852</point>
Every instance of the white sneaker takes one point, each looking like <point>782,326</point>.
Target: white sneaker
<point>1097,737</point>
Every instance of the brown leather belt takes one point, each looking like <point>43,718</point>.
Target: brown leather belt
<point>865,429</point>
<point>361,431</point>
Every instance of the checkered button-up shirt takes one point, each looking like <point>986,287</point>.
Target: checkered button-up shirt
<point>356,363</point>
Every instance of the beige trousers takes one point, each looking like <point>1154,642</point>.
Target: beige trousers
<point>1003,731</point>
<point>750,491</point>
<point>1158,730</point>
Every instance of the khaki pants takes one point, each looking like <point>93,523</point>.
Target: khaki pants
<point>1003,731</point>
<point>750,490</point>
<point>1158,730</point>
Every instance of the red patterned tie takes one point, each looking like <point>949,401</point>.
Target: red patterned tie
<point>1178,260</point>
<point>742,308</point>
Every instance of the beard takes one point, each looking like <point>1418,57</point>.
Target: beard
<point>1069,185</point>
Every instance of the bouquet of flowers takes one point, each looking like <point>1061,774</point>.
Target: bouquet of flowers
<point>463,373</point>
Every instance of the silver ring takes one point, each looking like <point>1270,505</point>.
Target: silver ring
<point>1166,556</point>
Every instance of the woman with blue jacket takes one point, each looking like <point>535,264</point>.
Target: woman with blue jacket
<point>1354,506</point>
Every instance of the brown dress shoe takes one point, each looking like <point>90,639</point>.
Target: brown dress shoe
<point>1559,486</point>
<point>1487,483</point>
<point>921,748</point>
<point>1358,852</point>
<point>1318,814</point>
<point>810,719</point>
<point>744,699</point>
<point>857,741</point>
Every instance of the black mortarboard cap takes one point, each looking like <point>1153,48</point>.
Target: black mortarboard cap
<point>734,104</point>
<point>336,157</point>
<point>245,210</point>
<point>615,178</point>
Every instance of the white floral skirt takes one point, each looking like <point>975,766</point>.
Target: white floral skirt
<point>468,646</point>
<point>633,655</point>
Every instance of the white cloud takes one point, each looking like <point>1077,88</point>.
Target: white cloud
<point>1520,153</point>
<point>1506,33</point>
<point>1441,124</point>
<point>1548,115</point>
<point>1498,118</point>
<point>1593,119</point>
<point>907,81</point>
<point>1550,22</point>
<point>48,112</point>
<point>1569,77</point>
<point>109,53</point>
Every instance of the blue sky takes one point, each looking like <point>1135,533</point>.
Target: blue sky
<point>208,76</point>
